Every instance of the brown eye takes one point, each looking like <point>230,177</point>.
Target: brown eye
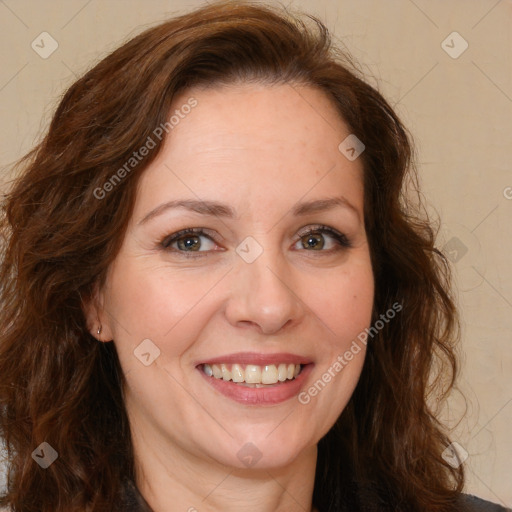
<point>187,241</point>
<point>322,239</point>
<point>313,241</point>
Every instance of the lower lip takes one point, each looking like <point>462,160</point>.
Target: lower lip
<point>260,396</point>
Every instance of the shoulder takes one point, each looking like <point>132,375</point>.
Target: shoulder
<point>469,503</point>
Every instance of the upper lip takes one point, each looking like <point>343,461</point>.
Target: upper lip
<point>257,358</point>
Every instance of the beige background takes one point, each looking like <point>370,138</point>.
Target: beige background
<point>459,110</point>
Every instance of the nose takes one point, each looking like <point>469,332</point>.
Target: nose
<point>265,294</point>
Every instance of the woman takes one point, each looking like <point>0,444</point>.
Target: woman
<point>215,295</point>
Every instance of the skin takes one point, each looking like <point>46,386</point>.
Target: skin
<point>259,149</point>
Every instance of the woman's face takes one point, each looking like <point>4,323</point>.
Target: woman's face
<point>281,276</point>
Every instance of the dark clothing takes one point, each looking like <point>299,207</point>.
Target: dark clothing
<point>134,502</point>
<point>474,504</point>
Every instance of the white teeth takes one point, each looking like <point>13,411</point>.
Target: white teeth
<point>269,374</point>
<point>253,375</point>
<point>282,372</point>
<point>217,372</point>
<point>226,374</point>
<point>237,373</point>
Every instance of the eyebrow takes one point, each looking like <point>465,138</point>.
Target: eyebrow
<point>217,209</point>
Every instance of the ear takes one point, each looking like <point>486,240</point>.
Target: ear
<point>96,317</point>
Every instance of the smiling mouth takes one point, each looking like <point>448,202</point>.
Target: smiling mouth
<point>251,375</point>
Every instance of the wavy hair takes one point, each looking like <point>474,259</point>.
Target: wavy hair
<point>59,385</point>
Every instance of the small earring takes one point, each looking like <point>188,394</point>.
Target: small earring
<point>99,330</point>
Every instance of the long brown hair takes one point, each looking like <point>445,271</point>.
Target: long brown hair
<point>62,228</point>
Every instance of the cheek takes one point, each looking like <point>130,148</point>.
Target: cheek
<point>152,301</point>
<point>343,307</point>
<point>344,303</point>
<point>160,304</point>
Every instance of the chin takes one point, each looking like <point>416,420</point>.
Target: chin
<point>262,451</point>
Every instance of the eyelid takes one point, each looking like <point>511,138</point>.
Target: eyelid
<point>169,239</point>
<point>341,239</point>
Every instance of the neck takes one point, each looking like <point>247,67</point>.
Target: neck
<point>170,478</point>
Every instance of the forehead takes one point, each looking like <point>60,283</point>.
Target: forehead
<point>292,117</point>
<point>250,140</point>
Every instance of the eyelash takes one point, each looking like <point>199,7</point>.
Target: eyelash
<point>341,239</point>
